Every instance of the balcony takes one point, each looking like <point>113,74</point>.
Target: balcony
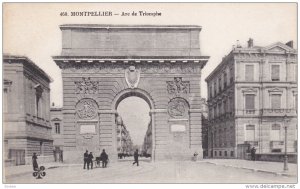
<point>276,144</point>
<point>278,112</point>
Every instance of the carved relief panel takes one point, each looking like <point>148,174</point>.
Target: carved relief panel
<point>86,86</point>
<point>178,108</point>
<point>87,109</point>
<point>178,86</point>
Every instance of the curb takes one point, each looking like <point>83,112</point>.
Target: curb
<point>255,170</point>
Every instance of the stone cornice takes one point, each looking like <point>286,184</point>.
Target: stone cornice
<point>145,67</point>
<point>69,61</point>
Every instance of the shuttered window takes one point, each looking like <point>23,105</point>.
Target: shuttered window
<point>275,73</point>
<point>276,101</point>
<point>250,101</point>
<point>249,72</point>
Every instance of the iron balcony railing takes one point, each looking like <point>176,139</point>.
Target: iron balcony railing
<point>279,112</point>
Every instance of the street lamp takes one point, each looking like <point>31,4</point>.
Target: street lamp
<point>285,165</point>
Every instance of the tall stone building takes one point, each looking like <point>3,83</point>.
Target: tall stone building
<point>103,64</point>
<point>124,142</point>
<point>252,96</point>
<point>26,111</point>
<point>57,132</point>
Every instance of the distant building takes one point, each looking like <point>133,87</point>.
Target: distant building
<point>26,112</point>
<point>204,130</point>
<point>57,132</point>
<point>124,142</point>
<point>147,145</point>
<point>249,94</point>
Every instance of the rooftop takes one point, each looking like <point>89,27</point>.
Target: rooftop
<point>26,60</point>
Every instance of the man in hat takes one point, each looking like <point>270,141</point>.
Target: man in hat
<point>85,158</point>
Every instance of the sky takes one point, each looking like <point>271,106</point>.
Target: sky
<point>33,29</point>
<point>135,121</point>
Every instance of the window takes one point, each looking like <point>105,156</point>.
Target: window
<point>275,132</point>
<point>225,106</point>
<point>296,102</point>
<point>215,153</point>
<point>5,99</point>
<point>275,101</point>
<point>231,75</point>
<point>215,87</point>
<point>38,100</point>
<point>57,128</point>
<point>210,91</point>
<point>215,111</point>
<point>225,153</point>
<point>225,80</point>
<point>219,109</point>
<point>220,153</point>
<point>275,73</point>
<point>231,153</point>
<point>249,72</point>
<point>249,101</point>
<point>250,133</point>
<point>220,84</point>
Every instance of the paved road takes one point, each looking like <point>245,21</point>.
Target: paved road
<point>163,172</point>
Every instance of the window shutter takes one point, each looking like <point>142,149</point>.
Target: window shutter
<point>249,102</point>
<point>276,101</point>
<point>275,73</point>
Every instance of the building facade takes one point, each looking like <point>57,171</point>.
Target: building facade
<point>147,144</point>
<point>104,64</point>
<point>26,111</point>
<point>57,132</point>
<point>125,145</point>
<point>252,97</point>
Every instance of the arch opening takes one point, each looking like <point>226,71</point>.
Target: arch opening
<point>134,125</point>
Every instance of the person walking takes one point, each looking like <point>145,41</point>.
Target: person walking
<point>136,157</point>
<point>253,151</point>
<point>34,162</point>
<point>104,158</point>
<point>85,158</point>
<point>90,160</point>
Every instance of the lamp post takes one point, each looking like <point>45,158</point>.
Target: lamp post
<point>285,165</point>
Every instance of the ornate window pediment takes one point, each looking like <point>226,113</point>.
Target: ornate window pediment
<point>275,90</point>
<point>278,47</point>
<point>249,90</point>
<point>56,119</point>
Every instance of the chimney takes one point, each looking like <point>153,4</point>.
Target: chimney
<point>238,44</point>
<point>250,43</point>
<point>290,44</point>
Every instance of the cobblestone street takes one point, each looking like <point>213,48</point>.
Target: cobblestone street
<point>161,172</point>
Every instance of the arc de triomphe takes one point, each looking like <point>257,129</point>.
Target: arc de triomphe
<point>103,64</point>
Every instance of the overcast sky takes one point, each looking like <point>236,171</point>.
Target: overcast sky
<point>33,29</point>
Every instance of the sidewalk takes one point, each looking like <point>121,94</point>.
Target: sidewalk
<point>257,166</point>
<point>25,169</point>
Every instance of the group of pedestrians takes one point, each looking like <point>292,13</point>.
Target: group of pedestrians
<point>88,159</point>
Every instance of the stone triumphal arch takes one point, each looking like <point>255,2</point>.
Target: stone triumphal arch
<point>103,64</point>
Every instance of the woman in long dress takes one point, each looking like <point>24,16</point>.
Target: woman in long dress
<point>34,162</point>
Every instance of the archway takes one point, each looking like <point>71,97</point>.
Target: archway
<point>134,124</point>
